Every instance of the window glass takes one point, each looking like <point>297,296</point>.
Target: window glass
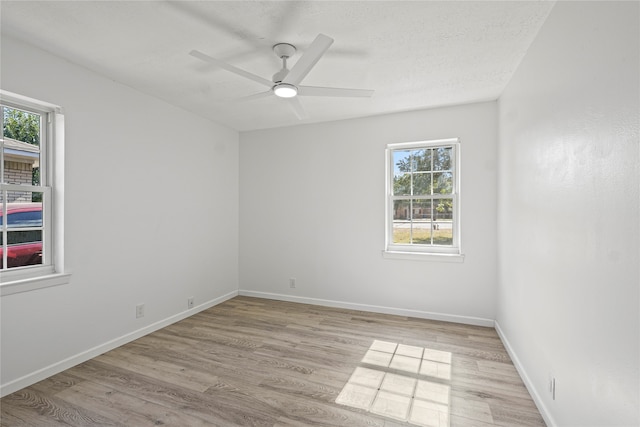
<point>24,214</point>
<point>423,197</point>
<point>443,220</point>
<point>442,183</point>
<point>422,183</point>
<point>401,172</point>
<point>422,159</point>
<point>442,158</point>
<point>24,219</point>
<point>22,225</point>
<point>21,148</point>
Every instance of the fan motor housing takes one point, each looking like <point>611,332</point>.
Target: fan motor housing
<point>280,75</point>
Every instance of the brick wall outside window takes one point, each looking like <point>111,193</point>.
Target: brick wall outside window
<point>18,173</point>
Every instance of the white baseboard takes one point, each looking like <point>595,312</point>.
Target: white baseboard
<point>72,361</point>
<point>548,419</point>
<point>468,320</point>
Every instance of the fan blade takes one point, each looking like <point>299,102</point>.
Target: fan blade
<point>334,91</point>
<point>317,48</point>
<point>297,107</point>
<point>254,96</point>
<point>231,68</point>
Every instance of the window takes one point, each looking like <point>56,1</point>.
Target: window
<point>30,188</point>
<point>422,207</point>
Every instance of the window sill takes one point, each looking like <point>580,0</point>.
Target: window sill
<point>421,256</point>
<point>34,283</point>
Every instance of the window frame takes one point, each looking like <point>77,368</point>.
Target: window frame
<point>51,271</point>
<point>451,253</point>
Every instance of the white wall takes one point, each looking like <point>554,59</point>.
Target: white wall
<point>569,214</point>
<point>312,207</point>
<point>151,216</point>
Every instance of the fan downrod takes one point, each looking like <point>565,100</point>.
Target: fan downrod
<point>284,52</point>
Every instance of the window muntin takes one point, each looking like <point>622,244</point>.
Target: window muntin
<point>25,188</point>
<point>423,197</point>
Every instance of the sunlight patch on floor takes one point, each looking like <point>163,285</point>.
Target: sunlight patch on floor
<point>402,382</point>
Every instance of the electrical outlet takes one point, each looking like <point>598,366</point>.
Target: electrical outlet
<point>292,282</point>
<point>139,311</point>
<point>190,302</point>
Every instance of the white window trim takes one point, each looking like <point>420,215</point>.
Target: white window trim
<point>423,256</point>
<point>422,252</point>
<point>52,274</point>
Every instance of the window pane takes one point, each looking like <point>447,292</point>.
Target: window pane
<point>442,183</point>
<point>442,158</point>
<point>21,134</point>
<point>421,224</point>
<point>24,248</point>
<point>401,210</point>
<point>401,161</point>
<point>401,221</point>
<point>23,237</point>
<point>401,172</point>
<point>443,224</point>
<point>402,184</point>
<point>23,215</point>
<point>422,159</point>
<point>24,243</point>
<point>422,183</point>
<point>421,210</point>
<point>23,209</point>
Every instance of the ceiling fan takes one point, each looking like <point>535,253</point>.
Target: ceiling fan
<point>286,83</point>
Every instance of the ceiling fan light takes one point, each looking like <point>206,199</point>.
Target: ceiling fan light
<point>285,90</point>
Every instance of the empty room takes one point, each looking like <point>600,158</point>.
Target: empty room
<point>320,213</point>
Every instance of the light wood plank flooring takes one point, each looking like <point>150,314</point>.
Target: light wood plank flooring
<point>255,362</point>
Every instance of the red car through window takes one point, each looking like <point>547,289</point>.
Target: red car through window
<point>24,235</point>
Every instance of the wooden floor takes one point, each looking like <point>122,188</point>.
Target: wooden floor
<point>255,362</point>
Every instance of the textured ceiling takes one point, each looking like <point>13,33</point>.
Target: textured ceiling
<point>415,54</point>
